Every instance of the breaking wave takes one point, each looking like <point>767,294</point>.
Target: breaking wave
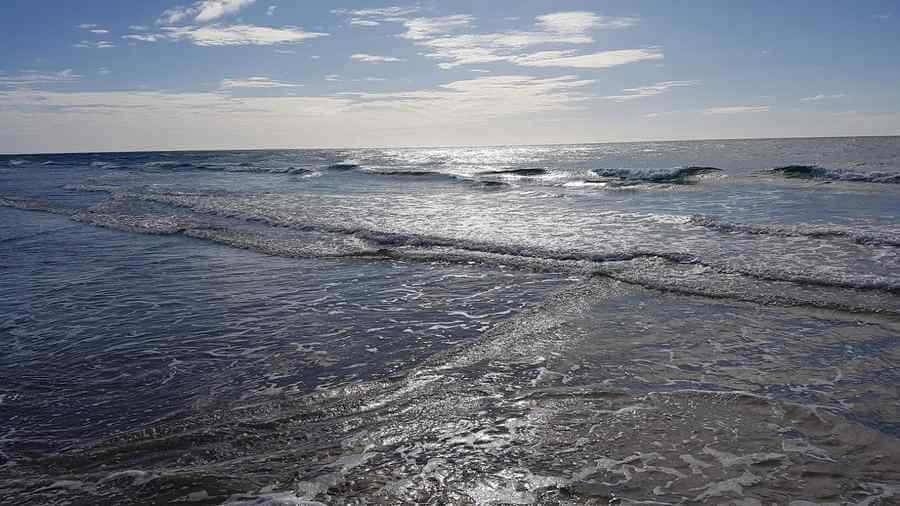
<point>665,270</point>
<point>655,175</point>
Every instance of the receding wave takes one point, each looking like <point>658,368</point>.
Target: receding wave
<point>546,407</point>
<point>816,172</point>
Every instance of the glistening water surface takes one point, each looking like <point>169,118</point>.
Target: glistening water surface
<point>706,322</point>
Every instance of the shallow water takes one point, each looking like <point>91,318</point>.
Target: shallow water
<point>511,325</point>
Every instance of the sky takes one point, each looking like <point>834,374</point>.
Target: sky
<point>116,75</point>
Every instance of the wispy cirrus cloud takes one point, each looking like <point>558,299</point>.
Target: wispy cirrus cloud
<point>369,58</point>
<point>257,82</point>
<point>239,35</point>
<point>649,91</point>
<point>602,59</point>
<point>426,28</point>
<point>580,22</point>
<point>30,77</point>
<point>816,98</point>
<point>737,109</point>
<point>149,37</point>
<point>378,13</point>
<point>93,28</point>
<point>482,98</point>
<point>449,41</point>
<point>660,114</point>
<point>88,44</point>
<point>364,22</point>
<point>271,10</point>
<point>203,11</point>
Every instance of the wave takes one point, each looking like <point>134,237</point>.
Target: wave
<point>344,166</point>
<point>658,269</point>
<point>677,175</point>
<point>514,172</point>
<point>152,225</point>
<point>818,231</point>
<point>816,172</point>
<point>34,205</point>
<point>103,165</point>
<point>17,162</point>
<point>410,173</point>
<point>485,423</point>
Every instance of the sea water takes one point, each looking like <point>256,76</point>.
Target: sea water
<point>709,322</point>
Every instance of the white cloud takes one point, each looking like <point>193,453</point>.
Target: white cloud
<point>29,77</point>
<point>363,22</point>
<point>100,32</point>
<point>256,82</point>
<point>87,26</point>
<point>449,48</point>
<point>239,35</point>
<point>332,77</point>
<point>603,59</point>
<point>203,11</point>
<point>580,21</point>
<point>138,28</point>
<point>386,12</point>
<point>144,38</point>
<point>95,45</point>
<point>480,99</point>
<point>271,10</point>
<point>368,58</point>
<point>649,91</point>
<point>660,114</point>
<point>822,97</point>
<point>737,109</point>
<point>374,79</point>
<point>424,28</point>
<point>103,71</point>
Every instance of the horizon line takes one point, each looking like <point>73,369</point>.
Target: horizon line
<point>182,150</point>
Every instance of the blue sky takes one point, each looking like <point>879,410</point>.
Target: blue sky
<point>211,74</point>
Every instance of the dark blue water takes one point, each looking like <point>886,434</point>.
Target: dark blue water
<point>691,322</point>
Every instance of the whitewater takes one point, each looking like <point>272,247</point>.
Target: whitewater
<point>697,322</point>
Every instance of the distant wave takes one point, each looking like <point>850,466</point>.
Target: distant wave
<point>655,175</point>
<point>816,172</point>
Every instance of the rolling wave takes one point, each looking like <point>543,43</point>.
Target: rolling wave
<point>816,172</point>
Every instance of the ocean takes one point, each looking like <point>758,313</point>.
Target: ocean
<point>703,322</point>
